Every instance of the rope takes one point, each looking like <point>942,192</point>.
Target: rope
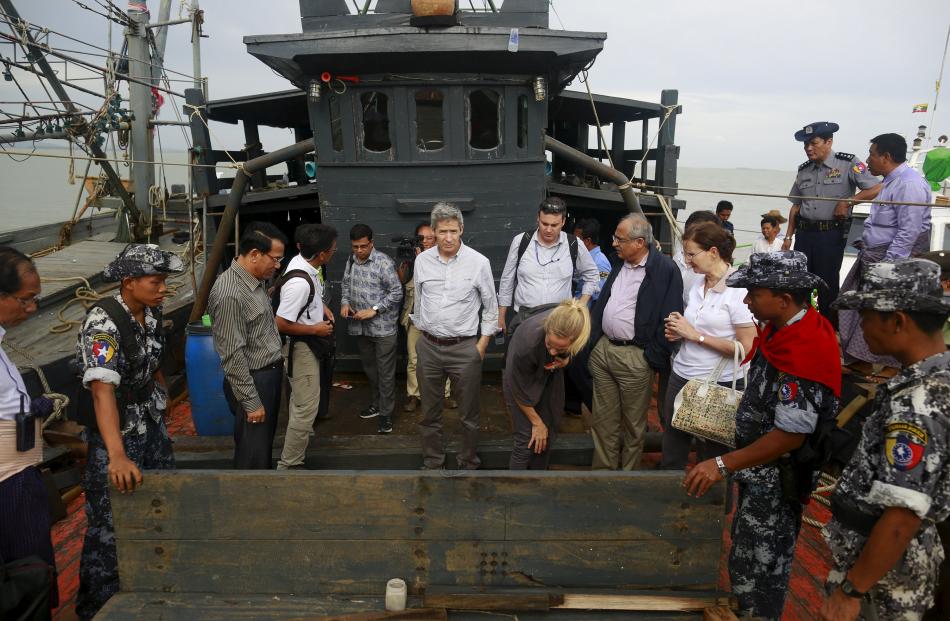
<point>826,485</point>
<point>60,401</point>
<point>236,165</point>
<point>196,114</point>
<point>600,129</point>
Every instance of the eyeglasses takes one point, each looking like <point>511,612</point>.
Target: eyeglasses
<point>26,302</point>
<point>619,240</point>
<point>277,260</point>
<point>690,255</point>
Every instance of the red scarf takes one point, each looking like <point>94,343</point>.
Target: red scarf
<point>807,349</point>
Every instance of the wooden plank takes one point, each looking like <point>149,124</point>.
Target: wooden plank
<point>620,601</point>
<point>126,606</point>
<point>362,566</point>
<point>415,614</point>
<point>419,506</point>
<point>488,598</point>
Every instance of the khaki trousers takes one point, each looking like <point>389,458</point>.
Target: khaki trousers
<point>412,384</point>
<point>623,385</point>
<point>303,406</point>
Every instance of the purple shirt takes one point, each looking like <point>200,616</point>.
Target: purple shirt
<point>621,309</point>
<point>899,226</point>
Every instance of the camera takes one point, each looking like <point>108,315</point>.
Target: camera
<point>406,247</point>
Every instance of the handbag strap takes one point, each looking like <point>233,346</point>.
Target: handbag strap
<point>738,354</point>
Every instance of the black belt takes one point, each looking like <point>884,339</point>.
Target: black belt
<point>274,365</point>
<point>454,340</point>
<point>620,343</point>
<point>818,225</point>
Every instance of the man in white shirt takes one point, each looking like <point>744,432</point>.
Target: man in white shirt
<point>542,270</point>
<point>304,318</point>
<point>453,283</point>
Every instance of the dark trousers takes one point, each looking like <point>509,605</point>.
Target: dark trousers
<point>462,364</point>
<point>522,457</point>
<point>378,354</point>
<point>825,250</point>
<point>676,443</point>
<point>25,520</point>
<point>578,383</point>
<point>254,442</point>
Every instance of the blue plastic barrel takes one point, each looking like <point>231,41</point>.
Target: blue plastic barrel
<point>209,408</point>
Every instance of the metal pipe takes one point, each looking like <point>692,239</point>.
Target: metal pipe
<point>172,22</point>
<point>155,122</point>
<point>196,49</point>
<point>31,136</point>
<point>160,37</point>
<point>226,227</point>
<point>140,103</point>
<point>600,169</point>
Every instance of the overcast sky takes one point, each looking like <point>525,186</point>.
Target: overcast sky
<point>749,73</point>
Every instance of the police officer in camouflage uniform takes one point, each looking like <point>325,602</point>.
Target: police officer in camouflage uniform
<point>130,398</point>
<point>792,390</point>
<point>884,545</point>
<point>821,227</point>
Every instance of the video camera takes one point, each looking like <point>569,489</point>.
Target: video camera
<point>406,247</point>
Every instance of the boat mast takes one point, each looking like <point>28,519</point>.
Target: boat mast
<point>140,103</point>
<point>943,62</point>
<point>35,54</point>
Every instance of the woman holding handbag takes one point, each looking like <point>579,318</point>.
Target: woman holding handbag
<point>715,320</point>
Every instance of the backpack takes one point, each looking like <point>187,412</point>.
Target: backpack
<point>523,246</point>
<point>323,347</point>
<point>134,355</point>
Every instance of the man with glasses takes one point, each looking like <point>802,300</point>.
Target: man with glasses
<point>627,330</point>
<point>306,320</point>
<point>541,267</point>
<point>245,336</point>
<point>370,300</point>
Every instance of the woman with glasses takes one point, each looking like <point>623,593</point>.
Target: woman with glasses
<point>533,380</point>
<point>715,318</point>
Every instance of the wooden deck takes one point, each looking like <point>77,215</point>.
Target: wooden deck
<point>808,573</point>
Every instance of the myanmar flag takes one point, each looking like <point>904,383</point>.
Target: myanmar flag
<point>920,107</point>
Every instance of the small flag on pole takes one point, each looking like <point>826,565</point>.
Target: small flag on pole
<point>920,107</point>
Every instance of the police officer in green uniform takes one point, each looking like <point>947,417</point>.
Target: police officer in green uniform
<point>885,548</point>
<point>820,227</point>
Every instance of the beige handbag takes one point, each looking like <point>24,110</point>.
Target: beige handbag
<point>707,410</point>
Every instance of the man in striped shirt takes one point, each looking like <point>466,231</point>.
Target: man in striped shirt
<point>246,338</point>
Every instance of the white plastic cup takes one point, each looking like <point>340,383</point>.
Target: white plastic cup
<point>396,595</point>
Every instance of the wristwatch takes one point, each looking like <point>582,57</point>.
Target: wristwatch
<point>722,467</point>
<point>702,339</point>
<point>848,589</point>
<point>375,308</point>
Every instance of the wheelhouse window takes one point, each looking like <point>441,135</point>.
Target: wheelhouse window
<point>522,121</point>
<point>376,122</point>
<point>483,119</point>
<point>336,124</point>
<point>429,112</point>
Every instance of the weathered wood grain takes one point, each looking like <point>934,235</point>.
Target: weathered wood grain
<point>209,607</point>
<point>419,506</point>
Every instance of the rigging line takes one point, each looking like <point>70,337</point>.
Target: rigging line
<point>121,76</point>
<point>600,130</point>
<point>788,198</point>
<point>553,8</point>
<point>109,53</point>
<point>235,165</point>
<point>178,118</point>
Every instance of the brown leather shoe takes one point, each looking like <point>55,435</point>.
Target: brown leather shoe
<point>411,404</point>
<point>451,404</point>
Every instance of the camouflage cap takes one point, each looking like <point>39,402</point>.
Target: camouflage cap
<point>786,270</point>
<point>142,260</point>
<point>904,285</point>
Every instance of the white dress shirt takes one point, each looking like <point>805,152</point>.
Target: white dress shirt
<point>545,273</point>
<point>450,292</point>
<point>293,295</point>
<point>11,386</point>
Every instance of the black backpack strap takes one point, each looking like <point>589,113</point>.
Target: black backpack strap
<point>572,247</point>
<point>522,247</point>
<point>283,280</point>
<point>123,321</point>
